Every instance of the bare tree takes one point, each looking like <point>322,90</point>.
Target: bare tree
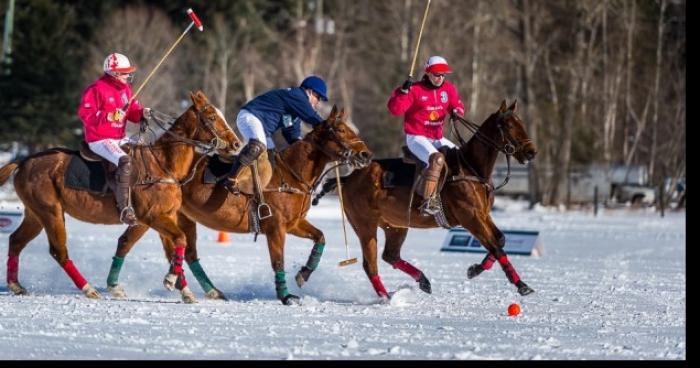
<point>143,34</point>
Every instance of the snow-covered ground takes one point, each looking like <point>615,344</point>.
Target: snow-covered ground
<point>607,287</point>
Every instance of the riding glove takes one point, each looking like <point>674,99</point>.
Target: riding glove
<point>406,87</point>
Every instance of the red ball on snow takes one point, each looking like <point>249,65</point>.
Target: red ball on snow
<point>513,309</point>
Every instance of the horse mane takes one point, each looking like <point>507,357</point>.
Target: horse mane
<point>155,128</point>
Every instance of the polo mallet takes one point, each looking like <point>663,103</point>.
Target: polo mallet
<point>420,34</point>
<point>195,22</point>
<point>348,261</point>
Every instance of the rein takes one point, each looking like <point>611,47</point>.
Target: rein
<point>508,149</point>
<point>165,122</point>
<point>310,188</point>
<point>345,155</point>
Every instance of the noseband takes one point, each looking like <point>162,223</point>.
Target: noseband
<point>346,153</point>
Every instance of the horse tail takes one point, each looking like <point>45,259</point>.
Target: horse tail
<point>6,171</point>
<point>327,187</point>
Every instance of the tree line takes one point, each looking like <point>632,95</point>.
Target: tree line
<point>597,81</point>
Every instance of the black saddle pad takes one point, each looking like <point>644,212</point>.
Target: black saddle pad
<point>85,175</point>
<point>216,168</point>
<point>396,173</point>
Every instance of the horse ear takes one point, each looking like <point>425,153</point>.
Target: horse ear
<point>342,114</point>
<point>514,105</point>
<point>503,106</point>
<point>198,99</point>
<point>334,112</point>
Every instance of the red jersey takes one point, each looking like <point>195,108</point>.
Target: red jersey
<point>425,107</point>
<point>98,103</point>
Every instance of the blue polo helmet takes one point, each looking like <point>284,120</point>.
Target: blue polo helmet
<point>317,85</point>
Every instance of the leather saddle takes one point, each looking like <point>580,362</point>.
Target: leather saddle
<point>89,172</point>
<point>404,171</point>
<point>217,167</point>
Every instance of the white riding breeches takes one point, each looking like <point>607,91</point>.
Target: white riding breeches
<point>109,149</point>
<point>251,127</point>
<point>423,147</point>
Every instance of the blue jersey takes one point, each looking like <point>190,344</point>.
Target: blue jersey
<point>284,109</point>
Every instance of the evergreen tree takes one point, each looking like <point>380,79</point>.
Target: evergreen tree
<point>39,97</point>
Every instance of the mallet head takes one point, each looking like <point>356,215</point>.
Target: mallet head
<point>195,19</point>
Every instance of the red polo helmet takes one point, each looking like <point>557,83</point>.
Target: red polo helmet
<point>437,64</point>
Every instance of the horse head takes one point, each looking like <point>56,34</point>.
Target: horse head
<point>339,142</point>
<point>514,139</point>
<point>206,123</point>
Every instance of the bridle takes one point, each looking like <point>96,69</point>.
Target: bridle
<point>216,143</point>
<point>165,122</point>
<point>509,147</point>
<point>345,155</point>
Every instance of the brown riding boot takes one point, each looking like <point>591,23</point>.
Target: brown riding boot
<point>431,176</point>
<point>121,192</point>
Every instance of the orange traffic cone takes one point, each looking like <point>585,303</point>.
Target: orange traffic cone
<point>223,237</point>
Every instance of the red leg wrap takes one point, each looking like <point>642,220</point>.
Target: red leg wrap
<point>177,259</point>
<point>488,262</point>
<point>74,274</point>
<point>407,268</point>
<point>12,269</point>
<point>378,286</point>
<point>509,270</point>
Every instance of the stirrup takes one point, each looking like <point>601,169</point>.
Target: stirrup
<point>128,216</point>
<point>266,210</point>
<point>429,208</point>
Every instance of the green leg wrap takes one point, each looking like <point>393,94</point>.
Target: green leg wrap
<point>201,276</point>
<point>281,285</point>
<point>315,256</point>
<point>113,278</point>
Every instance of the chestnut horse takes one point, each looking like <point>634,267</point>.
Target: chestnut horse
<point>159,170</point>
<point>467,197</point>
<point>298,168</point>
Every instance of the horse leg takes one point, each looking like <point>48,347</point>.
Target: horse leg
<point>275,244</point>
<point>477,268</point>
<point>367,232</point>
<point>395,237</point>
<point>190,229</point>
<point>494,241</point>
<point>54,224</point>
<point>174,241</point>
<point>27,230</point>
<point>126,241</point>
<point>304,229</point>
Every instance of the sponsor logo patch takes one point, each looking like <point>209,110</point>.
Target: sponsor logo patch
<point>443,97</point>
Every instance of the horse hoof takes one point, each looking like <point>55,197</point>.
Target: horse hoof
<point>169,281</point>
<point>523,289</point>
<point>424,284</point>
<point>117,291</point>
<point>90,292</point>
<point>215,294</point>
<point>188,296</point>
<point>291,299</point>
<point>474,271</point>
<point>17,289</point>
<point>302,276</point>
<point>300,279</point>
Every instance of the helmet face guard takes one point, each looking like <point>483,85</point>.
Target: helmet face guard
<point>117,64</point>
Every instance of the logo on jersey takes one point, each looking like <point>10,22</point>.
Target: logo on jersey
<point>433,116</point>
<point>443,97</point>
